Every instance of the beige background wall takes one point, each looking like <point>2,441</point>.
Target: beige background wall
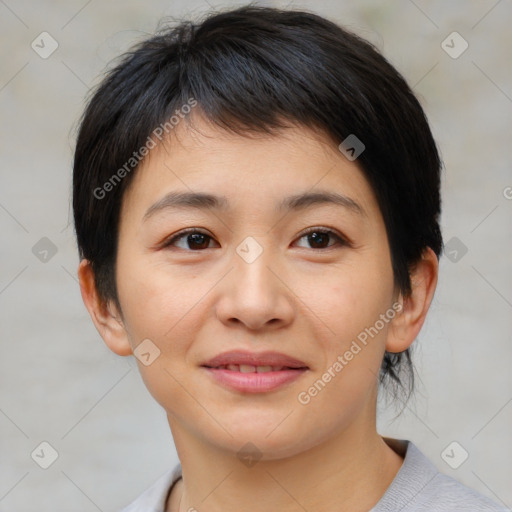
<point>60,384</point>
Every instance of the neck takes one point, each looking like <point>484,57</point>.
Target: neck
<point>350,471</point>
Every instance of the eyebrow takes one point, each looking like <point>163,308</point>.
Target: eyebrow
<point>203,201</point>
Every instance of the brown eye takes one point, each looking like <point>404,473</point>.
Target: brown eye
<point>193,240</point>
<point>320,238</point>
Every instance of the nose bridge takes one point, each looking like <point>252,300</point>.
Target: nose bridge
<point>253,295</point>
<point>251,268</point>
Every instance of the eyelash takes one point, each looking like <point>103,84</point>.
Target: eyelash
<point>342,241</point>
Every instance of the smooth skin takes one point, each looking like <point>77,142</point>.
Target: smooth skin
<point>303,296</point>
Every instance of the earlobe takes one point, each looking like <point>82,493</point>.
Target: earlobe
<point>407,324</point>
<point>104,316</point>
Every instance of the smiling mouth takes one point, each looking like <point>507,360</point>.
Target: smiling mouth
<point>248,378</point>
<point>242,371</point>
<point>248,368</point>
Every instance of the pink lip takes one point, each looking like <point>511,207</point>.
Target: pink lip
<point>255,359</point>
<point>255,382</point>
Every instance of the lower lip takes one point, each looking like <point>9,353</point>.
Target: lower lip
<point>254,382</point>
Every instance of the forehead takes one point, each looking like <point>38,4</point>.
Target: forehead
<point>253,170</point>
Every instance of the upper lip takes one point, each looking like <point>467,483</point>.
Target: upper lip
<point>255,359</point>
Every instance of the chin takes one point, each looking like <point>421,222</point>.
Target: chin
<point>268,438</point>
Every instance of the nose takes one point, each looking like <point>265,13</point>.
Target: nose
<point>256,293</point>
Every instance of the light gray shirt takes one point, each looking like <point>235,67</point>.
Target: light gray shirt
<point>417,487</point>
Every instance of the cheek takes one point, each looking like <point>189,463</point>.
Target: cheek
<point>164,308</point>
<point>353,347</point>
<point>353,300</point>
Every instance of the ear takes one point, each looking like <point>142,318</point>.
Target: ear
<point>407,324</point>
<point>106,318</point>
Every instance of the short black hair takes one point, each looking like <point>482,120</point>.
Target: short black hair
<point>258,69</point>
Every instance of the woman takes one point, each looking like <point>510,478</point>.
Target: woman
<point>256,202</point>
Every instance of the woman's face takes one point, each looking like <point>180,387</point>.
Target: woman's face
<point>248,278</point>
